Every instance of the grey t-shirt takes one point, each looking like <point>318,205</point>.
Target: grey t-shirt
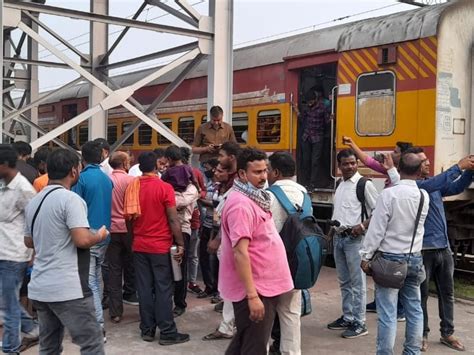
<point>60,270</point>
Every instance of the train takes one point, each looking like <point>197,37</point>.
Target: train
<point>406,76</point>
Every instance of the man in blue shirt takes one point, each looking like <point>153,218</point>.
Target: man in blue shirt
<point>95,188</point>
<point>437,255</point>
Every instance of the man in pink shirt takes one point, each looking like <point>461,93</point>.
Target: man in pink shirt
<point>254,269</point>
<point>119,253</point>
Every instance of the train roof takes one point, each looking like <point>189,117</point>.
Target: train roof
<point>393,28</point>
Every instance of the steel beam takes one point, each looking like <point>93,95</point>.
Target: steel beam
<point>111,20</point>
<point>41,63</point>
<point>189,9</point>
<point>121,35</point>
<point>156,55</point>
<point>220,72</point>
<point>98,48</point>
<point>174,12</point>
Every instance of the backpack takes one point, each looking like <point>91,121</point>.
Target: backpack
<point>305,243</point>
<point>360,193</point>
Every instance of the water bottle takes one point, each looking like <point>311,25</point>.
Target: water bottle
<point>177,275</point>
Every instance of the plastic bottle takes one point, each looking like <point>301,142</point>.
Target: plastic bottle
<point>177,275</point>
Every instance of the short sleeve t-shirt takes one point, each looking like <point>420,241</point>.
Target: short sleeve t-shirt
<point>60,270</point>
<point>243,218</point>
<point>151,231</point>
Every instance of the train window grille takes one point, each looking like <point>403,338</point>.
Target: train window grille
<point>144,134</point>
<point>112,134</point>
<point>125,126</point>
<point>186,129</point>
<point>269,126</point>
<point>375,104</point>
<point>240,124</point>
<point>161,139</point>
<point>83,135</point>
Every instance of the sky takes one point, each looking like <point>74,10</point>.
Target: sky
<point>254,21</point>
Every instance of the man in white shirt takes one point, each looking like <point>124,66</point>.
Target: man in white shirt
<point>349,211</point>
<point>104,165</point>
<point>391,232</point>
<point>15,193</point>
<point>286,330</point>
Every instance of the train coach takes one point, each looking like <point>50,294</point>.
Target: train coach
<point>402,77</point>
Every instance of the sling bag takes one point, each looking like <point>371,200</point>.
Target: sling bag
<point>39,206</point>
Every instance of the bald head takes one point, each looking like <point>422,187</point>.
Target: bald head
<point>410,165</point>
<point>120,161</point>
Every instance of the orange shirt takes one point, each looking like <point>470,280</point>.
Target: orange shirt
<point>41,182</point>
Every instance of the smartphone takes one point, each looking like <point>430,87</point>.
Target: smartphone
<point>379,157</point>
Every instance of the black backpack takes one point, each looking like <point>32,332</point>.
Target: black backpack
<point>305,243</point>
<point>360,192</point>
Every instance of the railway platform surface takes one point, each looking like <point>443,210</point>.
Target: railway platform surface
<point>200,319</point>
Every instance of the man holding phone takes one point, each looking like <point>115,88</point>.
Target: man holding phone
<point>211,135</point>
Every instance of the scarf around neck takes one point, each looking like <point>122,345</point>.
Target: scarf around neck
<point>259,196</point>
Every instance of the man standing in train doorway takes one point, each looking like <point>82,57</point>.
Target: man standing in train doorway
<point>211,135</point>
<point>315,119</point>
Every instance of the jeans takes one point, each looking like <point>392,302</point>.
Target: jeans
<point>120,260</point>
<point>97,254</point>
<point>439,266</point>
<point>16,319</point>
<point>352,280</point>
<point>410,297</point>
<point>155,290</point>
<point>193,259</point>
<point>78,317</point>
<point>208,262</point>
<point>181,287</point>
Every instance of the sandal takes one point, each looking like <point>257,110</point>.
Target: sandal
<point>217,335</point>
<point>424,344</point>
<point>452,342</point>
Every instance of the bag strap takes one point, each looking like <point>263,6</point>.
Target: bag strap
<point>39,206</point>
<point>417,221</point>
<point>283,199</point>
<point>360,192</point>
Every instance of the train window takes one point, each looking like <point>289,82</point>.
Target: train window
<point>144,134</point>
<point>240,123</point>
<point>268,126</point>
<point>168,123</point>
<point>112,134</point>
<point>186,129</point>
<point>375,108</point>
<point>125,126</point>
<point>83,135</point>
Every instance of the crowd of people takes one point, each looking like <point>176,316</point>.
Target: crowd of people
<point>87,233</point>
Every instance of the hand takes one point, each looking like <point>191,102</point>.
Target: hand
<point>388,161</point>
<point>466,163</point>
<point>257,309</point>
<point>347,141</point>
<point>102,233</point>
<point>210,148</point>
<point>357,230</point>
<point>179,254</point>
<point>213,245</point>
<point>365,266</point>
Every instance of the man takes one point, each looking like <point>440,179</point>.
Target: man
<point>23,151</point>
<point>15,193</point>
<point>228,154</point>
<point>95,187</point>
<point>119,252</point>
<point>211,135</point>
<point>150,207</point>
<point>58,229</point>
<point>347,243</point>
<point>40,159</point>
<point>314,119</point>
<point>393,233</point>
<point>281,172</point>
<point>437,254</point>
<point>251,247</point>
<point>104,164</point>
<point>161,164</point>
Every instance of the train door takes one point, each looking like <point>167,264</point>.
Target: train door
<point>68,112</point>
<point>315,141</point>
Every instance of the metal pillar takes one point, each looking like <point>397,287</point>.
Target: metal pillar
<point>220,67</point>
<point>33,90</point>
<point>98,48</point>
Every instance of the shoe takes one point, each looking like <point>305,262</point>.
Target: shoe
<point>176,338</point>
<point>371,307</point>
<point>217,335</point>
<point>216,299</point>
<point>219,307</point>
<point>194,288</point>
<point>105,302</point>
<point>148,337</point>
<point>116,320</point>
<point>105,336</point>
<point>452,342</point>
<point>424,344</point>
<point>131,300</point>
<point>339,324</point>
<point>355,330</point>
<point>401,319</point>
<point>274,349</point>
<point>32,334</point>
<point>178,311</point>
<point>204,294</point>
